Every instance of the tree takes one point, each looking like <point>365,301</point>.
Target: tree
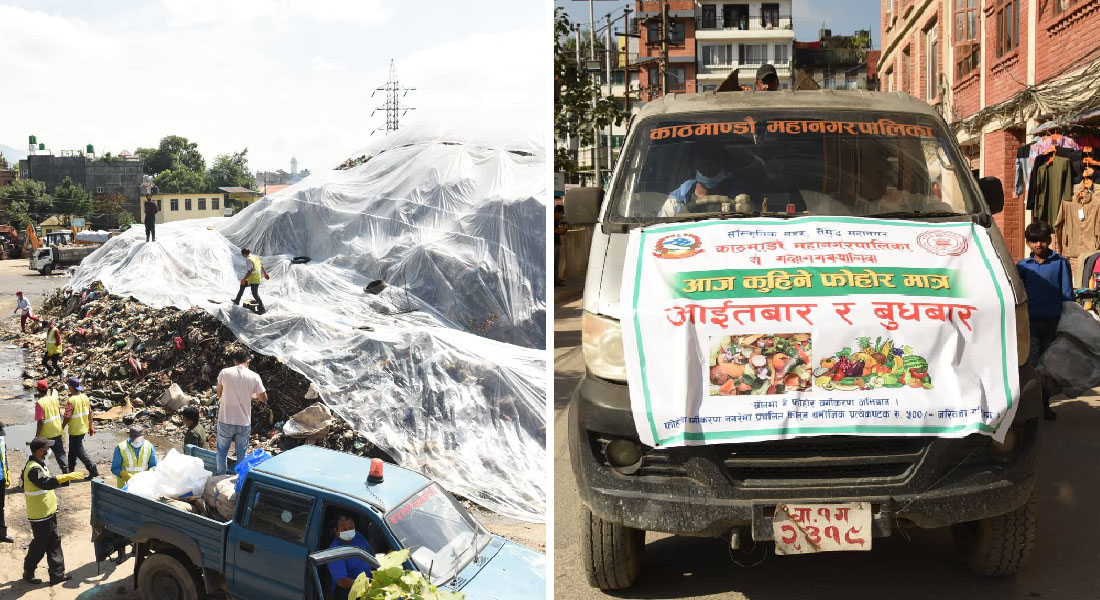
<point>574,114</point>
<point>230,170</point>
<point>71,199</point>
<point>110,211</point>
<point>173,153</point>
<point>25,201</point>
<point>181,181</point>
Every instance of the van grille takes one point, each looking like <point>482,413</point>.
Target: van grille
<point>803,461</point>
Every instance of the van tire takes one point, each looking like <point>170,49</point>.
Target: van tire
<point>165,576</point>
<point>612,552</point>
<point>1000,545</point>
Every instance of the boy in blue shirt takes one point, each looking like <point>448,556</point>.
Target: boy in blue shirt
<point>1048,281</point>
<point>344,572</point>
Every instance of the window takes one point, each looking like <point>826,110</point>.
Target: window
<point>676,32</point>
<point>718,55</point>
<point>159,207</point>
<point>202,203</point>
<point>967,48</point>
<point>735,16</point>
<point>174,203</point>
<point>214,203</point>
<point>677,79</point>
<point>1061,6</point>
<point>280,514</point>
<point>99,190</point>
<point>906,71</point>
<point>1007,18</point>
<point>753,54</point>
<point>889,78</point>
<point>186,204</point>
<point>888,9</point>
<point>932,60</point>
<point>782,54</point>
<point>710,17</point>
<point>769,16</point>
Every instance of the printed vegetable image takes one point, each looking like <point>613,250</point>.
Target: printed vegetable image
<point>760,364</point>
<point>883,364</point>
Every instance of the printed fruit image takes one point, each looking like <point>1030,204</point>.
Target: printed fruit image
<point>882,364</point>
<point>760,364</point>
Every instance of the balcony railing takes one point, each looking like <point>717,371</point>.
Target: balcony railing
<point>745,22</point>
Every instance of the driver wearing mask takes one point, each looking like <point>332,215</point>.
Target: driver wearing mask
<point>713,182</point>
<point>345,571</point>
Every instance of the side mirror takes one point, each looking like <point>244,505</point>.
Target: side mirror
<point>993,193</point>
<point>582,205</point>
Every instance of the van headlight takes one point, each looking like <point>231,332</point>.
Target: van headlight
<point>602,342</point>
<point>1023,334</point>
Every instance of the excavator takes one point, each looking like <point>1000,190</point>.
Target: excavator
<point>11,245</point>
<point>57,249</point>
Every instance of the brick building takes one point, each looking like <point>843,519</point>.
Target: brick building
<point>993,68</point>
<point>681,70</point>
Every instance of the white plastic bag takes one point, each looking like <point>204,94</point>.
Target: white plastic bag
<point>181,476</point>
<point>145,484</point>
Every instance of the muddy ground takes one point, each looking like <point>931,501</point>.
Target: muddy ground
<point>91,580</point>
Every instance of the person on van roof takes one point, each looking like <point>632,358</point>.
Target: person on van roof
<point>766,78</point>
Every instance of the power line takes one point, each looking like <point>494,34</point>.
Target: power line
<point>394,93</point>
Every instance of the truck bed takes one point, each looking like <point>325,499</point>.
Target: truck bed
<point>124,514</point>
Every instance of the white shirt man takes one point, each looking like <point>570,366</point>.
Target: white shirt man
<point>236,386</point>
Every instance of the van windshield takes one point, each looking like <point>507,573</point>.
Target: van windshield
<point>835,163</point>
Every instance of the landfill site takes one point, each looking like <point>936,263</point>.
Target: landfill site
<point>405,320</point>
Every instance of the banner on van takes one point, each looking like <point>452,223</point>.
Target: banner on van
<point>758,329</point>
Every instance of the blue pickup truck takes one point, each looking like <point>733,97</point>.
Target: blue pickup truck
<point>278,542</point>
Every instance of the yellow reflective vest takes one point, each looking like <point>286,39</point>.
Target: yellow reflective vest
<point>53,341</point>
<point>132,463</point>
<point>51,416</point>
<point>4,463</point>
<point>257,269</point>
<point>41,504</point>
<point>78,421</point>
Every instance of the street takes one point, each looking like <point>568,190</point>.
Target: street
<point>915,564</point>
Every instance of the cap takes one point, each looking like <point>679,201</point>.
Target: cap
<point>136,431</point>
<point>39,443</point>
<point>764,71</point>
<point>19,293</point>
<point>73,381</point>
<point>42,385</point>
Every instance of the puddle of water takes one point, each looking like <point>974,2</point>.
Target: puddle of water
<point>100,447</point>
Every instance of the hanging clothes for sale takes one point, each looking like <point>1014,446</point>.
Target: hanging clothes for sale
<point>1024,162</point>
<point>1053,183</point>
<point>1077,227</point>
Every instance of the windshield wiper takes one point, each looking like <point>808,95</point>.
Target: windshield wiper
<point>710,215</point>
<point>916,213</point>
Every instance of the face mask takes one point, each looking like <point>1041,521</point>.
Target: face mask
<point>348,535</point>
<point>711,182</point>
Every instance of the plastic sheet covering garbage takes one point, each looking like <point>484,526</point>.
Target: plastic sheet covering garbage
<point>445,369</point>
<point>1072,361</point>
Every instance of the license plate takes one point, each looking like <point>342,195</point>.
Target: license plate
<point>809,528</point>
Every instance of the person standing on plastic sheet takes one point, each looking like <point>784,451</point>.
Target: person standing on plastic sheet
<point>344,572</point>
<point>251,278</point>
<point>23,307</point>
<point>1049,282</point>
<point>133,456</point>
<point>78,420</point>
<point>52,351</point>
<point>150,218</point>
<point>47,414</point>
<point>560,229</point>
<point>195,433</point>
<point>38,487</point>
<point>236,387</point>
<point>6,476</point>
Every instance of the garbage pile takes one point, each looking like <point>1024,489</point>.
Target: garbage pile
<point>444,366</point>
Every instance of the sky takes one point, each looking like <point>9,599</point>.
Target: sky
<point>842,16</point>
<point>281,77</point>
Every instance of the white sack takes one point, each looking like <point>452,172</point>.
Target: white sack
<point>181,476</point>
<point>313,421</point>
<point>220,495</point>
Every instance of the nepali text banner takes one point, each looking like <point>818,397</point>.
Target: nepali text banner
<point>747,330</point>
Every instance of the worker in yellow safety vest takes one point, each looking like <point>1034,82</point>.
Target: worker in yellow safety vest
<point>133,456</point>
<point>47,413</point>
<point>252,279</point>
<point>38,487</point>
<point>52,351</point>
<point>4,538</point>
<point>78,420</point>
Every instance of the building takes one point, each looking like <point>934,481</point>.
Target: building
<point>96,175</point>
<point>179,207</point>
<point>743,36</point>
<point>666,34</point>
<point>995,69</point>
<point>838,62</point>
<point>239,197</point>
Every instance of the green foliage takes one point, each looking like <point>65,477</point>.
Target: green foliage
<point>71,198</point>
<point>172,153</point>
<point>25,201</point>
<point>574,114</point>
<point>181,181</point>
<point>230,170</point>
<point>110,211</point>
<point>392,581</point>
